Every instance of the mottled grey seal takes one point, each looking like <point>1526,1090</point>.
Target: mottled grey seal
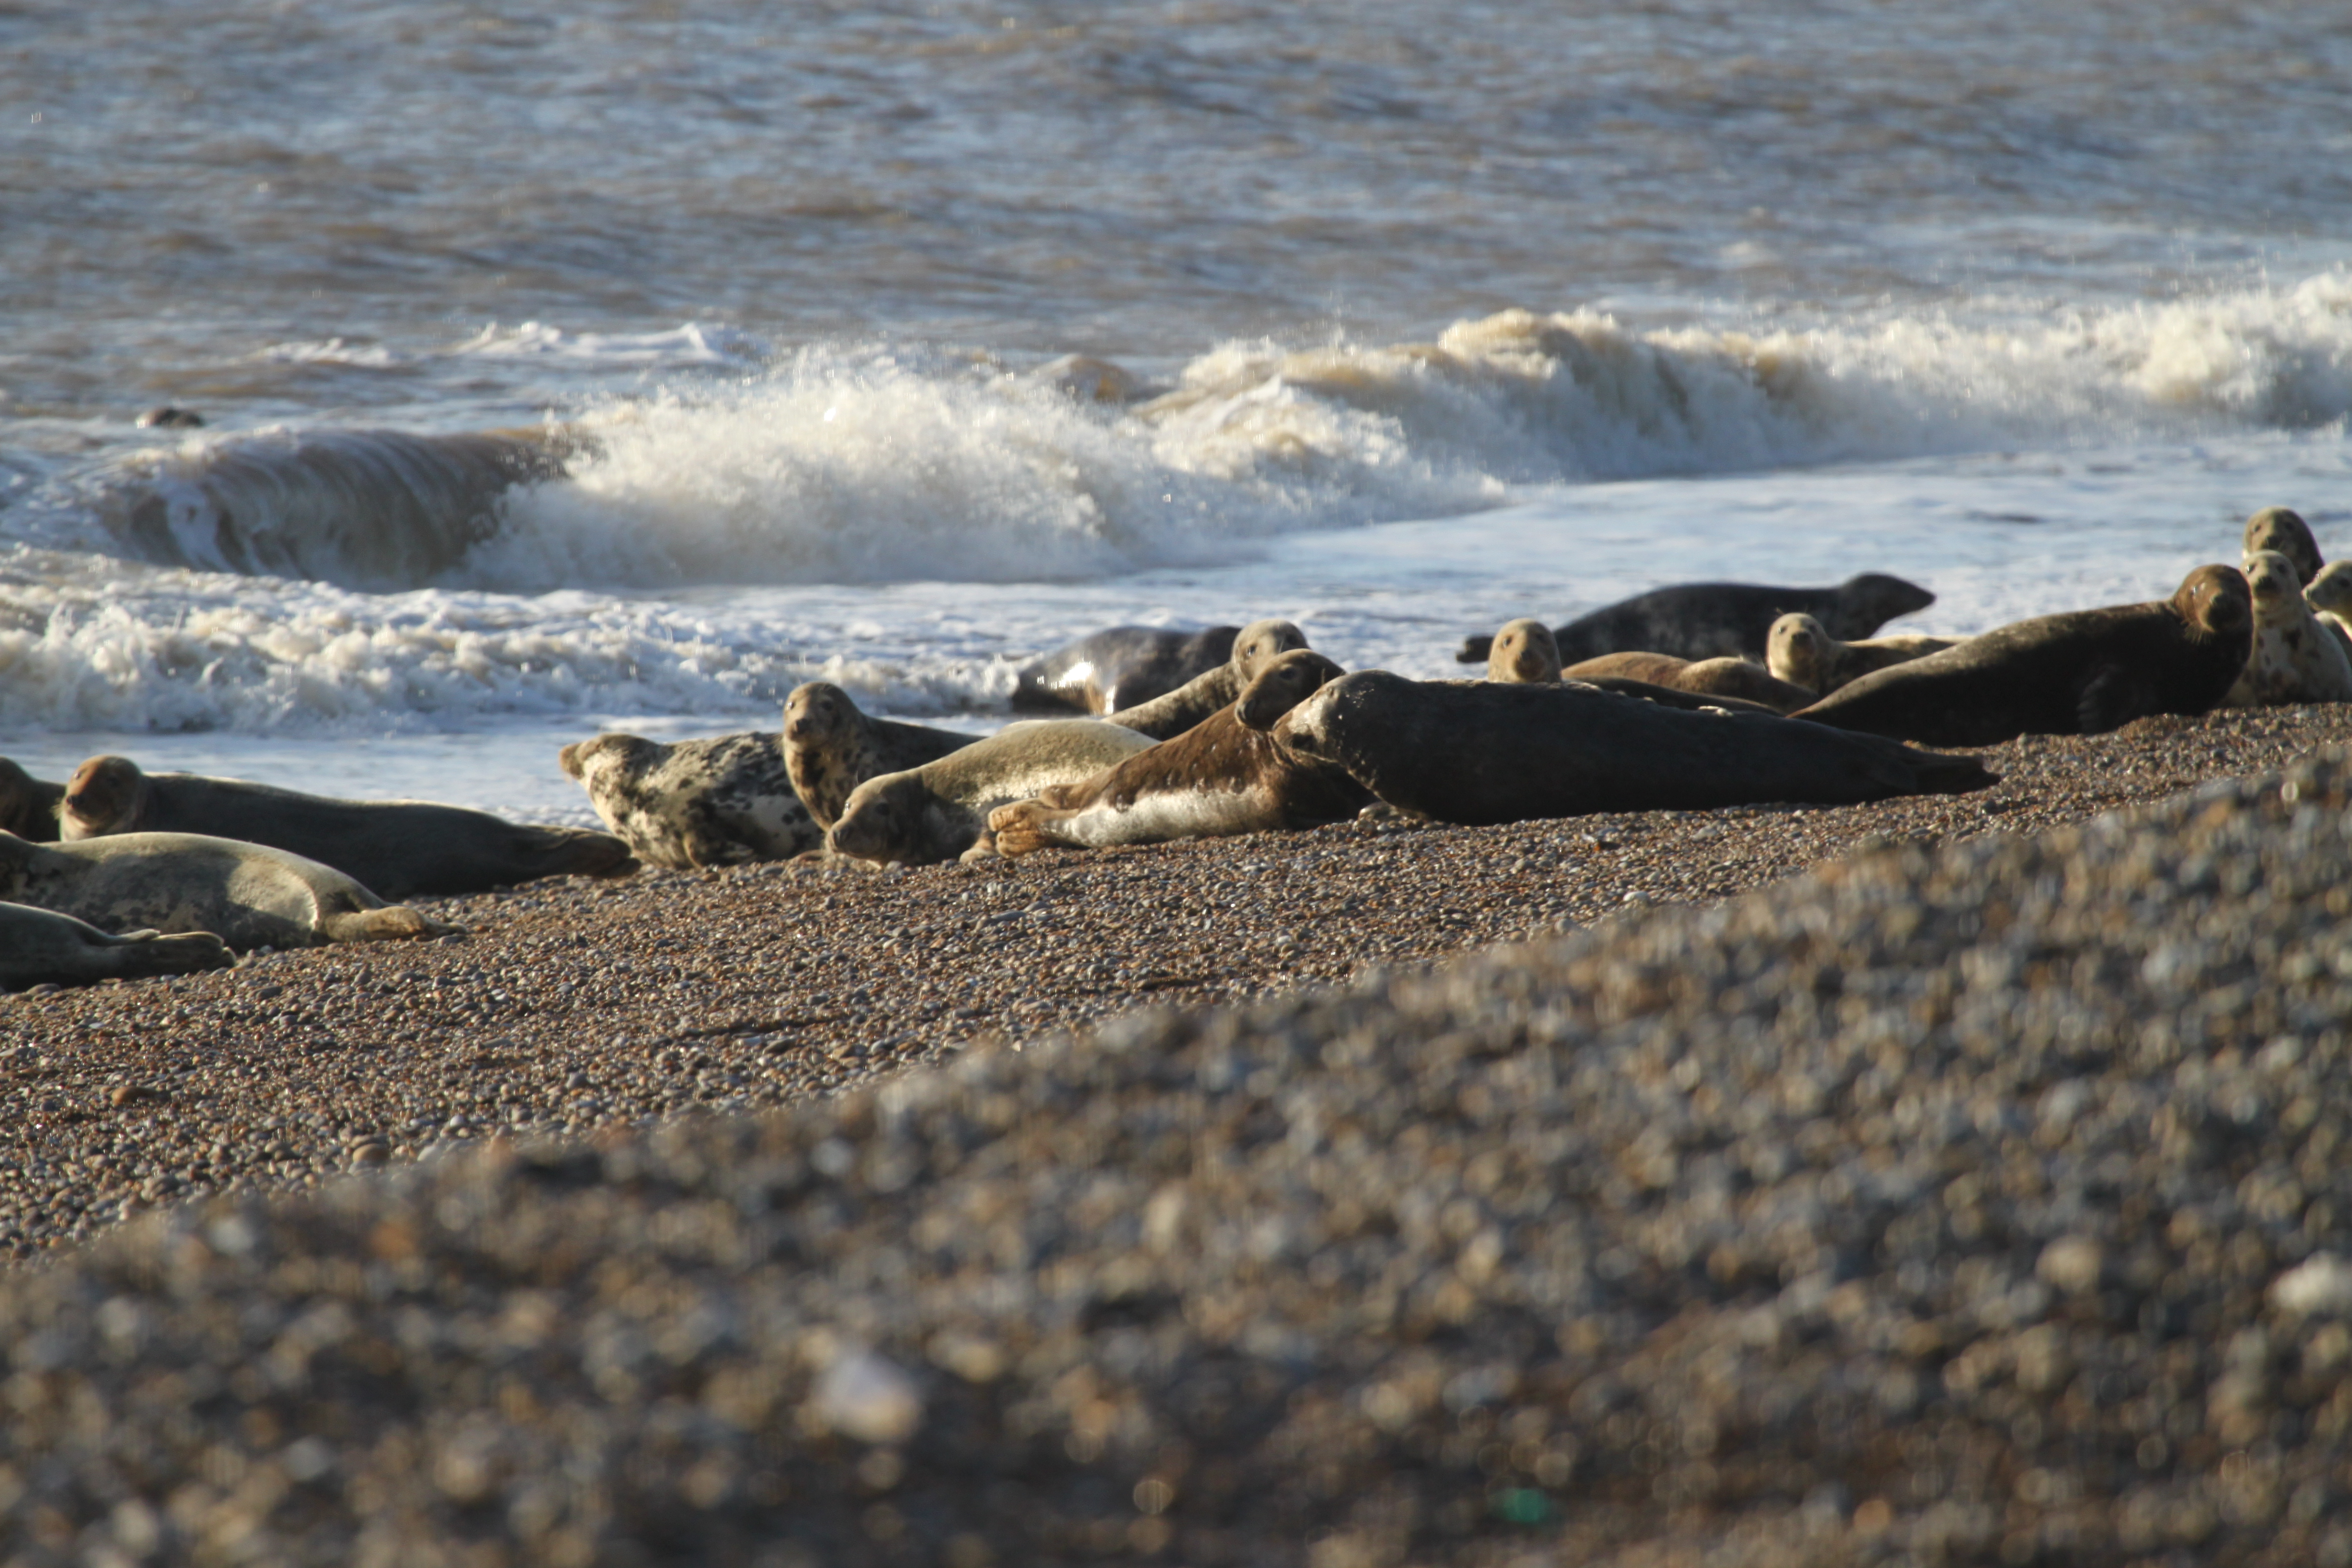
<point>28,807</point>
<point>1482,752</point>
<point>1121,667</point>
<point>249,895</point>
<point>2080,673</point>
<point>940,811</point>
<point>2295,657</point>
<point>42,947</point>
<point>1723,620</point>
<point>692,804</point>
<point>1743,679</point>
<point>1524,651</point>
<point>1257,645</point>
<point>1229,773</point>
<point>1800,650</point>
<point>2277,528</point>
<point>831,748</point>
<point>397,848</point>
<point>2330,593</point>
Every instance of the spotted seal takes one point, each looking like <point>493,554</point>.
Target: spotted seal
<point>2330,595</point>
<point>1524,651</point>
<point>2279,529</point>
<point>727,800</point>
<point>28,807</point>
<point>1743,679</point>
<point>940,811</point>
<point>831,748</point>
<point>1485,752</point>
<point>1255,646</point>
<point>2295,657</point>
<point>1723,620</point>
<point>1121,667</point>
<point>41,947</point>
<point>1800,650</point>
<point>397,848</point>
<point>1229,773</point>
<point>2080,673</point>
<point>249,895</point>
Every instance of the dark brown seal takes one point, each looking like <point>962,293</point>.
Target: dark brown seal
<point>1121,667</point>
<point>1485,752</point>
<point>1723,620</point>
<point>831,747</point>
<point>2081,673</point>
<point>1224,775</point>
<point>1257,645</point>
<point>1737,677</point>
<point>28,807</point>
<point>396,848</point>
<point>2279,529</point>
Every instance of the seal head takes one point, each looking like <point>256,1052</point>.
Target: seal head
<point>1523,650</point>
<point>2275,528</point>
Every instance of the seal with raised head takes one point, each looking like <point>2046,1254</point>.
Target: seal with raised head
<point>1800,650</point>
<point>1525,652</point>
<point>1739,678</point>
<point>1723,620</point>
<point>2279,529</point>
<point>398,848</point>
<point>28,807</point>
<point>688,805</point>
<point>1483,752</point>
<point>2295,657</point>
<point>42,947</point>
<point>2081,673</point>
<point>249,895</point>
<point>1257,645</point>
<point>1229,773</point>
<point>1121,667</point>
<point>831,748</point>
<point>940,811</point>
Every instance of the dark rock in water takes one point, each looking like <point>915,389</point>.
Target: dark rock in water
<point>1724,620</point>
<point>170,418</point>
<point>1121,667</point>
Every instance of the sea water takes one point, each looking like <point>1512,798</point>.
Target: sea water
<point>895,344</point>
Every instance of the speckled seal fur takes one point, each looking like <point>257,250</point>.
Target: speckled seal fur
<point>1800,650</point>
<point>42,947</point>
<point>2294,659</point>
<point>831,747</point>
<point>1739,678</point>
<point>1258,644</point>
<point>694,804</point>
<point>940,811</point>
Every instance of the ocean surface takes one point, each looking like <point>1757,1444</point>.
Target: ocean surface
<point>893,344</point>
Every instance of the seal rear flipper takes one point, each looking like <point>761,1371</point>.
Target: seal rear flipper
<point>142,953</point>
<point>1939,773</point>
<point>1475,650</point>
<point>1019,828</point>
<point>391,923</point>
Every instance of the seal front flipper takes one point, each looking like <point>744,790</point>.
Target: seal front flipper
<point>2112,698</point>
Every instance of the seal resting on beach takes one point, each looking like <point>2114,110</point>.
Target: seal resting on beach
<point>42,947</point>
<point>2295,657</point>
<point>1229,773</point>
<point>692,804</point>
<point>831,747</point>
<point>1740,678</point>
<point>2277,528</point>
<point>1723,620</point>
<point>1524,651</point>
<point>28,807</point>
<point>249,895</point>
<point>398,848</point>
<point>1257,645</point>
<point>1800,650</point>
<point>2330,595</point>
<point>1482,752</point>
<point>940,811</point>
<point>2081,673</point>
<point>1121,667</point>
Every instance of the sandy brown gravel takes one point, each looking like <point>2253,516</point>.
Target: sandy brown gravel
<point>576,1005</point>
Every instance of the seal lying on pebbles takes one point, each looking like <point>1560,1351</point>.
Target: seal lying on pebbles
<point>2080,673</point>
<point>398,848</point>
<point>1524,652</point>
<point>1229,773</point>
<point>940,811</point>
<point>1740,678</point>
<point>690,805</point>
<point>2330,595</point>
<point>1257,643</point>
<point>28,807</point>
<point>41,947</point>
<point>831,747</point>
<point>249,895</point>
<point>1121,667</point>
<point>1482,752</point>
<point>2277,528</point>
<point>2295,657</point>
<point>1800,650</point>
<point>1724,620</point>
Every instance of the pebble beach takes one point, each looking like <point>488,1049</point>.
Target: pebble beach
<point>1944,1179</point>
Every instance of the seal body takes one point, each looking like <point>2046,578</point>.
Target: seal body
<point>2277,528</point>
<point>693,805</point>
<point>1525,651</point>
<point>1739,678</point>
<point>2295,657</point>
<point>1121,667</point>
<point>2330,595</point>
<point>1255,646</point>
<point>28,807</point>
<point>831,747</point>
<point>41,947</point>
<point>2081,673</point>
<point>1483,752</point>
<point>1229,773</point>
<point>940,811</point>
<point>249,895</point>
<point>1724,620</point>
<point>399,848</point>
<point>1800,650</point>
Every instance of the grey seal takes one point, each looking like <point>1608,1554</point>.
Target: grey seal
<point>1255,646</point>
<point>1734,677</point>
<point>2279,529</point>
<point>693,805</point>
<point>940,811</point>
<point>1723,620</point>
<point>831,747</point>
<point>2295,658</point>
<point>41,947</point>
<point>1121,667</point>
<point>1800,650</point>
<point>1524,651</point>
